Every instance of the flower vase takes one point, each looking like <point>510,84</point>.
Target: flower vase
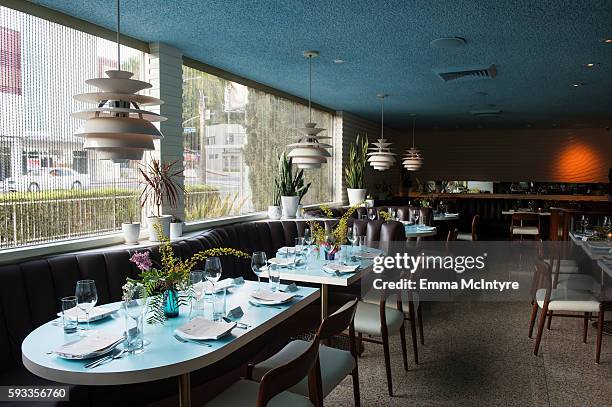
<point>331,252</point>
<point>171,303</point>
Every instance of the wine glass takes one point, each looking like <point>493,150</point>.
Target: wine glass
<point>212,271</point>
<point>307,237</point>
<point>585,224</point>
<point>372,214</point>
<point>416,217</point>
<point>196,278</point>
<point>258,262</point>
<point>87,297</point>
<point>352,237</point>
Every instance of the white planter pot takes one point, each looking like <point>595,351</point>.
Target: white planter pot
<point>164,221</point>
<point>290,205</point>
<point>274,212</point>
<point>176,230</point>
<point>131,232</point>
<point>356,196</point>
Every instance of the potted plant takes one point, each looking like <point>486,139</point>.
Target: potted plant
<point>176,228</point>
<point>160,186</point>
<point>167,282</point>
<point>274,210</point>
<point>130,229</point>
<point>290,187</point>
<point>354,172</point>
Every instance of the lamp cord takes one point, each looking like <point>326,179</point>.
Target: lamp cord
<point>118,30</point>
<point>309,89</point>
<point>413,125</point>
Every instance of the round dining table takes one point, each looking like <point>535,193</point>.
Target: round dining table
<point>420,230</point>
<point>165,356</point>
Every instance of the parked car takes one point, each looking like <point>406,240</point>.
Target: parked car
<point>47,179</point>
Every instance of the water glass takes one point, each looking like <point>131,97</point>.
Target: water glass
<point>300,252</point>
<point>290,256</point>
<point>70,321</point>
<point>361,241</point>
<point>219,305</point>
<point>196,278</point>
<point>87,297</point>
<point>274,277</point>
<point>135,308</point>
<point>258,263</point>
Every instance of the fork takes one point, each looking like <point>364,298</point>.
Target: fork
<point>261,305</point>
<point>181,339</point>
<point>240,325</point>
<point>104,360</point>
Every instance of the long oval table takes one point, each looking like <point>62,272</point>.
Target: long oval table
<point>165,356</point>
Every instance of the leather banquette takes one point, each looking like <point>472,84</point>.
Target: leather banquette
<point>30,293</point>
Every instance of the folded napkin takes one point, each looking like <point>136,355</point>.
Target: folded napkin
<point>271,296</point>
<point>425,227</point>
<point>225,283</point>
<point>281,261</point>
<point>94,314</point>
<point>202,329</point>
<point>340,268</point>
<point>94,343</point>
<point>451,214</point>
<point>286,249</point>
<point>367,255</point>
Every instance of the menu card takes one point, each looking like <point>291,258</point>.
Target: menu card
<point>201,328</point>
<point>89,344</point>
<point>272,296</point>
<point>339,267</point>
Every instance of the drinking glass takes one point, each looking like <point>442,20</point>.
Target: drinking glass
<point>393,213</point>
<point>196,278</point>
<point>300,252</point>
<point>307,237</point>
<point>362,243</point>
<point>352,238</point>
<point>219,305</point>
<point>135,308</point>
<point>258,263</point>
<point>70,321</point>
<point>372,214</point>
<point>416,218</point>
<point>585,223</point>
<point>87,297</point>
<point>212,271</point>
<point>274,277</point>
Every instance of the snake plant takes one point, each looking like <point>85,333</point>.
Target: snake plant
<point>286,183</point>
<point>354,172</point>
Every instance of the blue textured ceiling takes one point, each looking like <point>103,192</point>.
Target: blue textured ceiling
<point>538,46</point>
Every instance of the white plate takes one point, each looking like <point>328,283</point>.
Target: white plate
<point>95,314</point>
<point>201,329</point>
<point>91,355</point>
<point>262,302</point>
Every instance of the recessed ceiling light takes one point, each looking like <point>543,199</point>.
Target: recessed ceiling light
<point>608,40</point>
<point>591,64</point>
<point>339,61</point>
<point>576,85</point>
<point>448,42</point>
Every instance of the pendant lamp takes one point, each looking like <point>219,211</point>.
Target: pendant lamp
<point>118,129</point>
<point>413,160</point>
<point>309,152</point>
<point>381,157</point>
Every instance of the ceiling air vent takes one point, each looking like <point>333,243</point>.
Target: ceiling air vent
<point>478,73</point>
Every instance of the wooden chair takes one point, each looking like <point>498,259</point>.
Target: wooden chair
<point>471,237</point>
<point>333,364</point>
<point>547,298</point>
<point>525,224</point>
<point>380,320</point>
<point>272,391</point>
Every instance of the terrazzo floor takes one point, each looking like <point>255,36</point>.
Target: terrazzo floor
<point>478,354</point>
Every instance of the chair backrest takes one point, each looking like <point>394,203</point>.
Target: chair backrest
<point>286,376</point>
<point>338,321</point>
<point>403,213</point>
<point>475,221</point>
<point>426,216</point>
<point>452,235</point>
<point>542,279</point>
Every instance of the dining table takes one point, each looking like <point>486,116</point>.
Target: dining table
<point>413,231</point>
<point>445,217</point>
<point>313,272</point>
<point>165,356</point>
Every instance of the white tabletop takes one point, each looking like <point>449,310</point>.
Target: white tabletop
<point>416,231</point>
<point>511,212</point>
<point>313,271</point>
<point>445,217</point>
<point>165,356</point>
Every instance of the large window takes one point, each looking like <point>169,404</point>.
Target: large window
<point>233,135</point>
<point>50,188</point>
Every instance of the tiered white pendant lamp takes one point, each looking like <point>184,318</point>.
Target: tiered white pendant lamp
<point>381,157</point>
<point>309,152</point>
<point>413,160</point>
<point>118,129</point>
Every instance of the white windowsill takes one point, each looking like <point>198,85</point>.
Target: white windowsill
<point>114,241</point>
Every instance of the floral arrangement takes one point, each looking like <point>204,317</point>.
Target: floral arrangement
<point>385,215</point>
<point>172,273</point>
<point>331,239</point>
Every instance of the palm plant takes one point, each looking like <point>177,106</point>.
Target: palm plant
<point>288,184</point>
<point>160,184</point>
<point>354,172</point>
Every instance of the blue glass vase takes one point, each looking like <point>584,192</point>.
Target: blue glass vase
<point>171,305</point>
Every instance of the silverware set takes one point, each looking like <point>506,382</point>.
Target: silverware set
<point>181,339</point>
<point>115,354</point>
<point>256,305</point>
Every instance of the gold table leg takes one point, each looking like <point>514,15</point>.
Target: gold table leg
<point>324,300</point>
<point>184,382</point>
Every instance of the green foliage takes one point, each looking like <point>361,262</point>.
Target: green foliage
<point>354,172</point>
<point>160,184</point>
<point>286,182</point>
<point>200,206</point>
